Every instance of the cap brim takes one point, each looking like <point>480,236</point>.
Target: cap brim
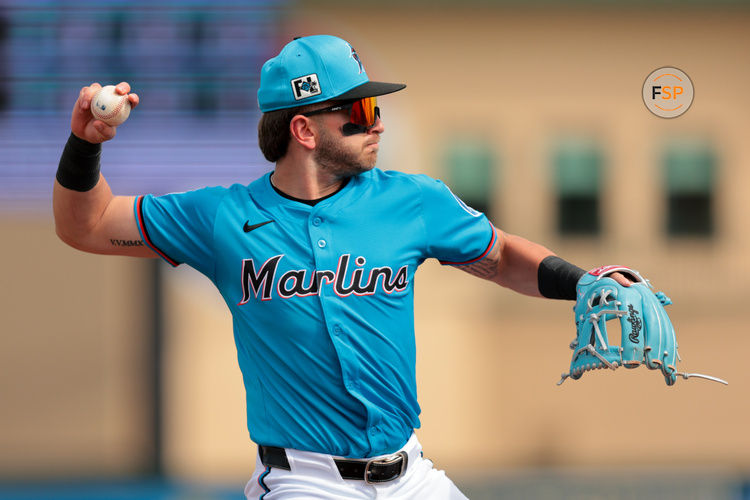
<point>371,89</point>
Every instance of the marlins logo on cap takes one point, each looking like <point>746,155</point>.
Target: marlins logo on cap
<point>355,56</point>
<point>314,69</point>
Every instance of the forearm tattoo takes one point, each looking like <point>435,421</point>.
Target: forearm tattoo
<point>486,268</point>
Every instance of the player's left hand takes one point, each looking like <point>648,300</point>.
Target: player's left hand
<point>646,333</point>
<point>622,279</point>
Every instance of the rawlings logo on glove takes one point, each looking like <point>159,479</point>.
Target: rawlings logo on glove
<point>635,323</point>
<point>646,333</point>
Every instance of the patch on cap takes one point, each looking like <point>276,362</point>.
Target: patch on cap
<point>306,86</point>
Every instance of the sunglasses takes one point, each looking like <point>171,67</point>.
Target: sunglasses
<point>363,114</point>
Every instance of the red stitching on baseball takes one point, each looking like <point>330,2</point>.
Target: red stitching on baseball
<point>115,111</point>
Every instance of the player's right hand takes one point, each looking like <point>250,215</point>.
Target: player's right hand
<point>82,122</point>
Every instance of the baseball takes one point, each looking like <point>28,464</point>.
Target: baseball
<point>110,107</point>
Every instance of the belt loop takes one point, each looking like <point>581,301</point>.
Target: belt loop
<point>272,456</point>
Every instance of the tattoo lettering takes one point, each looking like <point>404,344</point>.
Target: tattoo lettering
<point>126,243</point>
<point>485,268</point>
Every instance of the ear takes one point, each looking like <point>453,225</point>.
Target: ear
<point>303,131</point>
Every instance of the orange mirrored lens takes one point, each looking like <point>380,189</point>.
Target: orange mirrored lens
<point>363,112</point>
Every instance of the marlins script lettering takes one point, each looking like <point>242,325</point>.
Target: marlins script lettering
<point>296,283</point>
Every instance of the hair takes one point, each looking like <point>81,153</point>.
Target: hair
<point>273,131</point>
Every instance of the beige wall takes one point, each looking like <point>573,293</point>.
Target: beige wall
<point>488,360</point>
<point>73,358</point>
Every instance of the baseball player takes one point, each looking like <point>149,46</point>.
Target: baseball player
<point>316,261</point>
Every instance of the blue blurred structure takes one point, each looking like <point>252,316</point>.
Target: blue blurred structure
<point>531,485</point>
<point>650,483</point>
<point>195,66</point>
<point>120,490</point>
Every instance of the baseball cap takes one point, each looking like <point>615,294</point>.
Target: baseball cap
<point>315,69</point>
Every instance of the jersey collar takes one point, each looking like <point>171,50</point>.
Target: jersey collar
<point>265,194</point>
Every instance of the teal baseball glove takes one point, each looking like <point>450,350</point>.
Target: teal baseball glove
<point>646,333</point>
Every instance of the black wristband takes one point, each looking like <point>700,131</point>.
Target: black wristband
<point>79,164</point>
<point>558,278</point>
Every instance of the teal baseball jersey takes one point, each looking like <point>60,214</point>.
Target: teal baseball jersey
<point>322,297</point>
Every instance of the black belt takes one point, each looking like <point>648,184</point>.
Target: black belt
<point>374,470</point>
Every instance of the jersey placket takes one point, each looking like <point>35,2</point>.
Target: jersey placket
<point>327,256</point>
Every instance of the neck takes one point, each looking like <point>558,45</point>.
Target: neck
<point>304,179</point>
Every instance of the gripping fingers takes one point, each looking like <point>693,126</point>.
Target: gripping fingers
<point>81,95</point>
<point>87,93</point>
<point>123,88</point>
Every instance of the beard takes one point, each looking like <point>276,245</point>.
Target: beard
<point>333,156</point>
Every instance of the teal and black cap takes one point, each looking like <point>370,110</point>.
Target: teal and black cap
<point>315,69</point>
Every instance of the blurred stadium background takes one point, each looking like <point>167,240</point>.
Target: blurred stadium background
<point>531,111</point>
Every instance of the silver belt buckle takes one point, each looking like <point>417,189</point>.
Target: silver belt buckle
<point>389,460</point>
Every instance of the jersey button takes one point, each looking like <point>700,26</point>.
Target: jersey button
<point>317,221</point>
<point>337,330</point>
<point>322,243</point>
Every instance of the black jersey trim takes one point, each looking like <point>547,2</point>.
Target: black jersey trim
<point>307,202</point>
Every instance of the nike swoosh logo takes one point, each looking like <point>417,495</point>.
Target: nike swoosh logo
<point>247,227</point>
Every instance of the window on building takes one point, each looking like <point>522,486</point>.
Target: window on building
<point>689,170</point>
<point>470,173</point>
<point>578,166</point>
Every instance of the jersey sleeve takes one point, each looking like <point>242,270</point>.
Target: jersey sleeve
<point>456,234</point>
<point>180,226</point>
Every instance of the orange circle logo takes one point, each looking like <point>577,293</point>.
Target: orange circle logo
<point>668,92</point>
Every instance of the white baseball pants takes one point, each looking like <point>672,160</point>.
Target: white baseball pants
<point>314,476</point>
